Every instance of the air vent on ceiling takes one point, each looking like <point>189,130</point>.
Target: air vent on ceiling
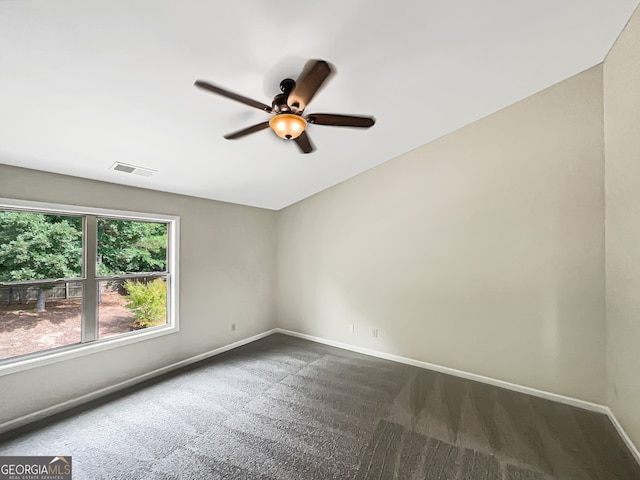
<point>123,167</point>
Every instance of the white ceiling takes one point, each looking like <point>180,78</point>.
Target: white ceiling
<point>86,83</point>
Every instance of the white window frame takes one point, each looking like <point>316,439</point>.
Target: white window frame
<point>90,343</point>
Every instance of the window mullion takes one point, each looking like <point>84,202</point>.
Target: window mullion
<point>89,284</point>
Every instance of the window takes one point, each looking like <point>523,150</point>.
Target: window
<point>73,280</point>
<point>131,275</point>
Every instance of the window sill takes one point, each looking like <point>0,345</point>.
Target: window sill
<point>27,362</point>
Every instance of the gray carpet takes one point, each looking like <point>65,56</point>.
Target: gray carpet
<point>283,409</point>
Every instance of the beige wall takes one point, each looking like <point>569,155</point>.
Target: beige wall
<point>227,275</point>
<point>482,251</point>
<point>622,187</point>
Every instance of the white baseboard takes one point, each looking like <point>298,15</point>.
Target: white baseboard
<point>574,402</point>
<point>555,397</point>
<point>74,402</point>
<point>625,437</point>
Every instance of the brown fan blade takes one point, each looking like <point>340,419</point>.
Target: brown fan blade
<point>315,73</point>
<point>233,96</point>
<point>247,131</point>
<point>340,120</point>
<point>304,143</point>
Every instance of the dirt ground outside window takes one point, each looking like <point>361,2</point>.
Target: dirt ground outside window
<point>22,330</point>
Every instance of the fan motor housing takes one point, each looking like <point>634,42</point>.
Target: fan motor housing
<point>280,104</point>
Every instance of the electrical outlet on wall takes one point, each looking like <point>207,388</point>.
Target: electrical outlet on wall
<point>233,327</point>
<point>351,328</point>
<point>374,333</point>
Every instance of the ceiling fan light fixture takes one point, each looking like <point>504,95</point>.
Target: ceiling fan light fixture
<point>287,125</point>
<point>287,107</point>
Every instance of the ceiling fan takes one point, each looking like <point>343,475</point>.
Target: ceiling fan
<point>288,120</point>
